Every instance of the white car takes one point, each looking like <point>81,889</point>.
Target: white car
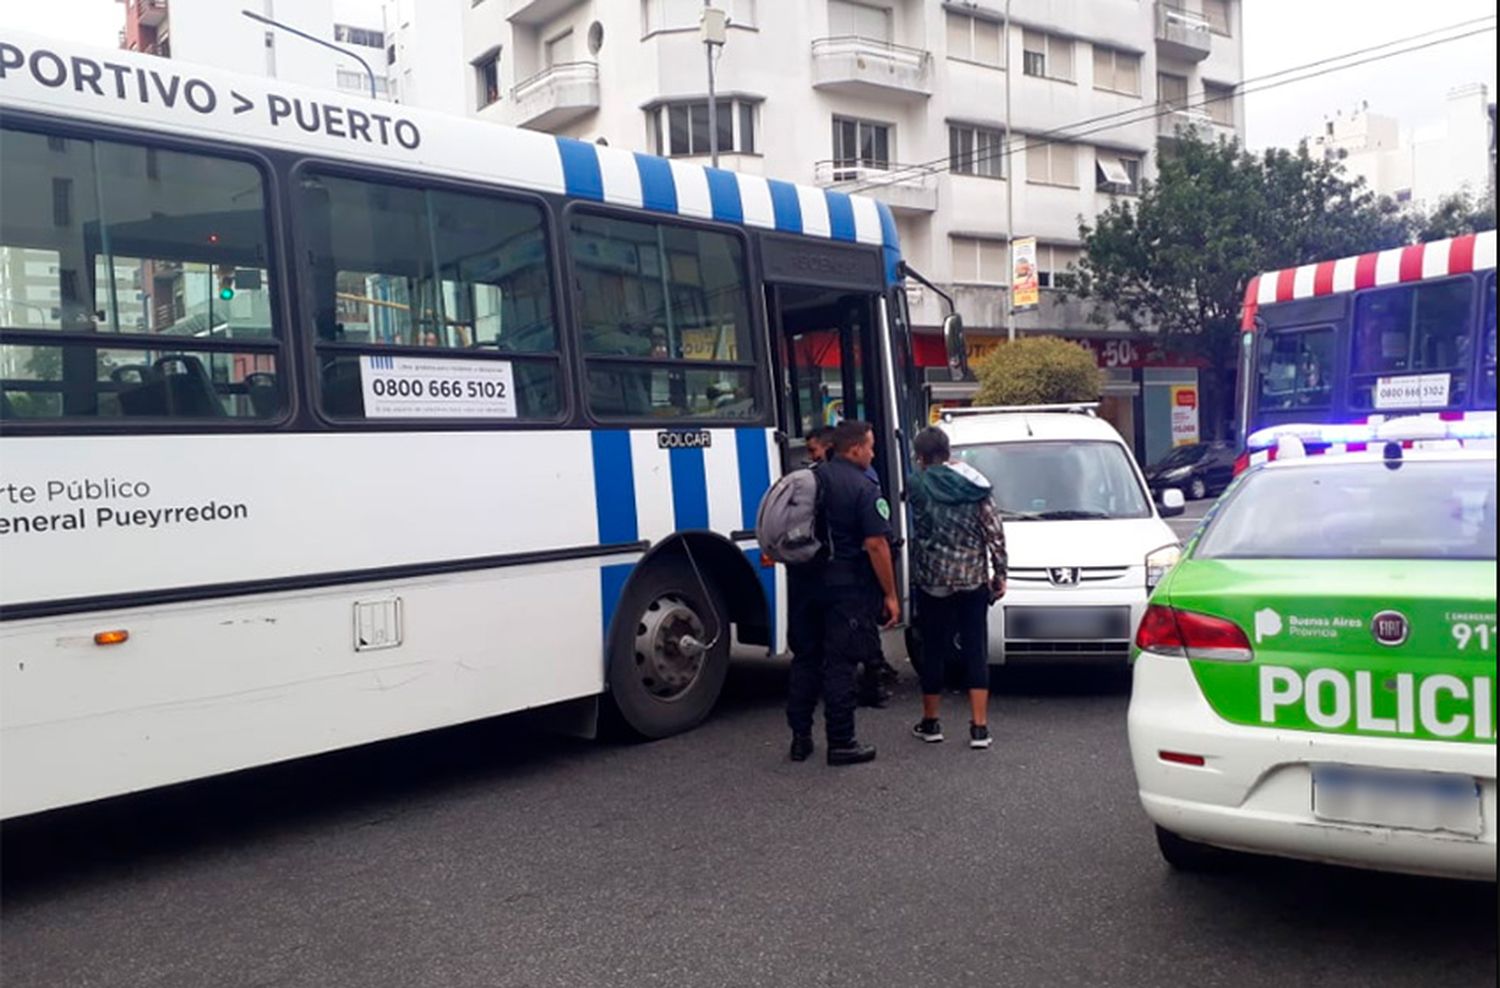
<point>1085,539</point>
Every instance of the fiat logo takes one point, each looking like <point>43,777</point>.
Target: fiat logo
<point>1390,628</point>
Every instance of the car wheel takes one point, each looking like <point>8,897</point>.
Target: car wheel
<point>1189,855</point>
<point>1197,490</point>
<point>669,656</point>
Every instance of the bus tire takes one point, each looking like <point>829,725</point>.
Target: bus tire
<point>668,655</point>
<point>1189,855</point>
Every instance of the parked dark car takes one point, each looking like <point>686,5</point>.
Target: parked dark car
<point>1199,470</point>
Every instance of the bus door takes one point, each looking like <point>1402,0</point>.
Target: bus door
<point>825,308</point>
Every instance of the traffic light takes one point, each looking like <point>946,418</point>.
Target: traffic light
<point>226,283</point>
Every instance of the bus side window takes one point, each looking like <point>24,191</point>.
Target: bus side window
<point>139,284</point>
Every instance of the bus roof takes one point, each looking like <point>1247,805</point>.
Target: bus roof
<point>52,77</point>
<point>1415,262</point>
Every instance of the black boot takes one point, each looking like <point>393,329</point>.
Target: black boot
<point>850,753</point>
<point>802,747</point>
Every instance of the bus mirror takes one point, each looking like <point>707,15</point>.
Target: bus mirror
<point>953,342</point>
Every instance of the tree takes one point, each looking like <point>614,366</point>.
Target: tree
<point>1177,259</point>
<point>1037,370</point>
<point>1455,215</point>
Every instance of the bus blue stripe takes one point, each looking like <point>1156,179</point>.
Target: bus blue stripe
<point>611,587</point>
<point>890,238</point>
<point>658,190</point>
<point>784,204</point>
<point>724,194</point>
<point>689,489</point>
<point>840,215</point>
<point>755,471</point>
<point>614,487</point>
<point>581,176</point>
<point>767,576</point>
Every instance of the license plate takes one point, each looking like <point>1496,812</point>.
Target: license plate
<point>1067,623</point>
<point>1405,800</point>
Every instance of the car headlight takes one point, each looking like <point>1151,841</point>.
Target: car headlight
<point>1159,563</point>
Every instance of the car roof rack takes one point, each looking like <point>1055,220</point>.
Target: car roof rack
<point>1078,407</point>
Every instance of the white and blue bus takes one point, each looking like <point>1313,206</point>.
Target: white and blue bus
<point>326,421</point>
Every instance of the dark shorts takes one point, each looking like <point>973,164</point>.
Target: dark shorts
<point>955,634</point>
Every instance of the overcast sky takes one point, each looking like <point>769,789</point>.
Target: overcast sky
<point>1279,34</point>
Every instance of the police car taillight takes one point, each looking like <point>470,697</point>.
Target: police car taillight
<point>1168,631</point>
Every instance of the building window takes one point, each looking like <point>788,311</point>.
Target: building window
<point>351,80</point>
<point>464,277</point>
<point>364,37</point>
<point>859,20</point>
<point>1117,71</point>
<point>1172,91</point>
<point>979,261</point>
<point>681,15</point>
<point>558,49</point>
<point>1219,103</point>
<point>1118,173</point>
<point>681,129</point>
<point>664,315</point>
<point>1049,163</point>
<point>1053,260</point>
<point>1047,56</point>
<point>975,39</point>
<point>1216,12</point>
<point>976,151</point>
<point>487,78</point>
<point>859,144</point>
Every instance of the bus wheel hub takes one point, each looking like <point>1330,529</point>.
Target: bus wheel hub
<point>669,646</point>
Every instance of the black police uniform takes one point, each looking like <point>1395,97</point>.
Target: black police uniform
<point>834,619</point>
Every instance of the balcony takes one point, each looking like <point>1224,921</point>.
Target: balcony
<point>905,188</point>
<point>1182,34</point>
<point>556,96</point>
<point>1174,123</point>
<point>150,13</point>
<point>536,12</point>
<point>866,67</point>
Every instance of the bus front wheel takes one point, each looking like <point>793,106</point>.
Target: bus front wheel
<point>670,650</point>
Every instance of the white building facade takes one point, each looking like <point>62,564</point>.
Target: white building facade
<point>1423,165</point>
<point>904,100</point>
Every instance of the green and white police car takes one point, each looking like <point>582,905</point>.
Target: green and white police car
<point>1316,678</point>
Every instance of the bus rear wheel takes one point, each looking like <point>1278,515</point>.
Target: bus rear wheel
<point>669,654</point>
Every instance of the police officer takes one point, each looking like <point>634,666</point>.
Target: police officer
<point>836,613</point>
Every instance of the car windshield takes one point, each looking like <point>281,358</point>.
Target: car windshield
<point>1364,510</point>
<point>1060,480</point>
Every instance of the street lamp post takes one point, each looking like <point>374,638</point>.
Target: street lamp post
<point>712,27</point>
<point>1010,186</point>
<point>369,72</point>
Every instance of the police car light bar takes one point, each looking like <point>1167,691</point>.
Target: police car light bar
<point>1420,432</point>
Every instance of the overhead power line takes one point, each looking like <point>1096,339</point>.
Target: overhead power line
<point>1068,133</point>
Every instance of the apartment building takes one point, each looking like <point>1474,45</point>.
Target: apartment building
<point>1419,165</point>
<point>904,100</point>
<point>216,32</point>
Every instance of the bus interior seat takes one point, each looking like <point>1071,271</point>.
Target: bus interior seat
<point>261,387</point>
<point>343,390</point>
<point>190,391</point>
<point>144,393</point>
<point>7,411</point>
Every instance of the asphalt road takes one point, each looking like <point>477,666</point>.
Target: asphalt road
<point>487,855</point>
<point>1187,522</point>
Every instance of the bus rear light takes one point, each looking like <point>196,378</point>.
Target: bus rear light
<point>1182,758</point>
<point>1188,634</point>
<point>117,637</point>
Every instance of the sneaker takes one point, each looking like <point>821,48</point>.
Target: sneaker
<point>929,730</point>
<point>979,736</point>
<point>852,753</point>
<point>802,747</point>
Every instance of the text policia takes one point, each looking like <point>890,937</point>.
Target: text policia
<point>74,505</point>
<point>172,91</point>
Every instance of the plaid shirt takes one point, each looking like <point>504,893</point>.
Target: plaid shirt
<point>956,546</point>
